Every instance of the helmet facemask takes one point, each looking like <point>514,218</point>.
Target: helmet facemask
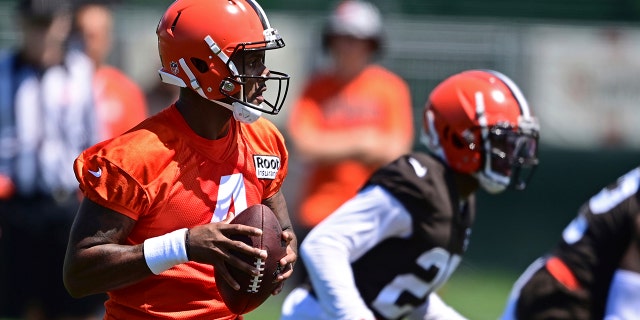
<point>510,155</point>
<point>249,77</point>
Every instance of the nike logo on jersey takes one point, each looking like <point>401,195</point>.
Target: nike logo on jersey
<point>96,174</point>
<point>266,166</point>
<point>420,170</point>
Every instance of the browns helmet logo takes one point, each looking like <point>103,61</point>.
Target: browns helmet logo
<point>174,67</point>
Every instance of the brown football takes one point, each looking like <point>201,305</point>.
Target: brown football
<point>255,290</point>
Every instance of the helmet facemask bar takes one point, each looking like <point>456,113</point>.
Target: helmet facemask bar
<point>273,99</point>
<point>513,153</point>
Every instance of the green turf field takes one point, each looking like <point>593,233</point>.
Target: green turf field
<point>478,294</point>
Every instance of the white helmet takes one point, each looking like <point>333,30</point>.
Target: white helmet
<point>355,18</point>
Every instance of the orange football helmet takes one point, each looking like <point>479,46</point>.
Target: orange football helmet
<point>479,123</point>
<point>197,43</point>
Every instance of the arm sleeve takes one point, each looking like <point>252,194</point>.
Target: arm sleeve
<point>624,296</point>
<point>364,221</point>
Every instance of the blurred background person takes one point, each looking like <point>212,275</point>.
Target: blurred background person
<point>47,117</point>
<point>352,116</point>
<point>120,102</point>
<point>160,95</point>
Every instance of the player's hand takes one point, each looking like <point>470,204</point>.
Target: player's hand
<point>287,262</point>
<point>210,244</point>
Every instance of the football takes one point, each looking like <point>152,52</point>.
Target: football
<point>255,290</point>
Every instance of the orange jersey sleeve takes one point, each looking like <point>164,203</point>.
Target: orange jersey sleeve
<point>165,177</point>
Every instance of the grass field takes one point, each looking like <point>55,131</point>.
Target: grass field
<point>478,294</point>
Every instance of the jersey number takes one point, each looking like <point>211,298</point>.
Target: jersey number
<point>231,190</point>
<point>437,260</point>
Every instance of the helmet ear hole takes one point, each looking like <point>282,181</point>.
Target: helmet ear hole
<point>200,65</point>
<point>457,141</point>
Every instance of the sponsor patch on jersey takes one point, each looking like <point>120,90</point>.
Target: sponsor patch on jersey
<point>266,166</point>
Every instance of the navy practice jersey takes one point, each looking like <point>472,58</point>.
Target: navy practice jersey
<point>397,274</point>
<point>595,241</point>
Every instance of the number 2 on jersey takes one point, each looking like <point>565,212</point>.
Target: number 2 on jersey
<point>386,303</point>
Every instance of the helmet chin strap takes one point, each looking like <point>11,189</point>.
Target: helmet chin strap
<point>245,114</point>
<point>241,112</point>
<point>491,182</point>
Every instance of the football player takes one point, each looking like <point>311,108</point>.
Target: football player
<point>594,270</point>
<point>384,253</point>
<point>152,227</point>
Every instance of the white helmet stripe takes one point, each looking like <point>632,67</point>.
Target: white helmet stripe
<point>482,121</point>
<point>522,102</point>
<point>482,117</point>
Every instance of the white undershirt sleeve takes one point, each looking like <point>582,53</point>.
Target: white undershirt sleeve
<point>624,296</point>
<point>329,249</point>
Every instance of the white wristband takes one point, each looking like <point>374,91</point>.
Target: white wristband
<point>165,251</point>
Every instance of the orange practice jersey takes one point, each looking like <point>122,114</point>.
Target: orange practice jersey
<point>120,103</point>
<point>378,99</point>
<point>166,177</point>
